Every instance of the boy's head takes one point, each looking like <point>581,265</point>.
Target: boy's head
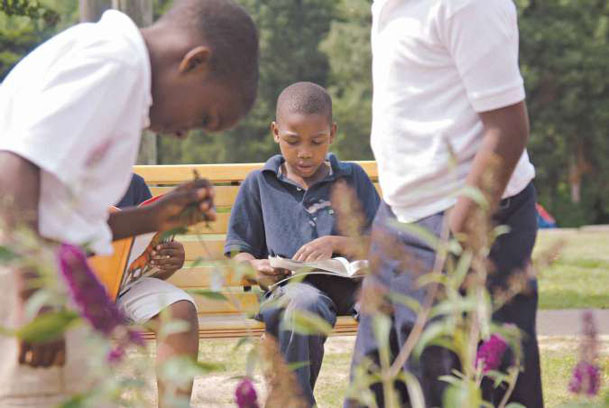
<point>204,58</point>
<point>303,127</point>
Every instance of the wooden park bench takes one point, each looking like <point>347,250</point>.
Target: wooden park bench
<point>227,315</point>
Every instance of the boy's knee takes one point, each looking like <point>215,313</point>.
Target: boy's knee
<point>186,311</point>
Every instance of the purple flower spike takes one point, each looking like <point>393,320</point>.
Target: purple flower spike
<point>92,300</point>
<point>87,292</point>
<point>586,379</point>
<point>491,352</point>
<point>245,394</point>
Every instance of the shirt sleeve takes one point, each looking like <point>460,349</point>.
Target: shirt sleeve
<point>246,225</point>
<point>482,37</point>
<point>58,123</point>
<point>367,195</point>
<point>142,192</point>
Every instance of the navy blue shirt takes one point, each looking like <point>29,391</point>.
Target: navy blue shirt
<point>137,193</point>
<point>274,216</point>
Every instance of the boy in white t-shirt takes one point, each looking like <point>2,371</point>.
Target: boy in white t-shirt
<point>447,82</point>
<point>71,113</point>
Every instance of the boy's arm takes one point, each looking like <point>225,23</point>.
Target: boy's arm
<point>187,204</point>
<point>20,183</point>
<point>505,138</point>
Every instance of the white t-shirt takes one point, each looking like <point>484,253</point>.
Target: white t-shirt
<point>436,64</point>
<point>75,107</point>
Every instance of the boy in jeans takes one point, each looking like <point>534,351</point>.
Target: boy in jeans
<point>285,210</point>
<point>71,114</point>
<point>447,84</point>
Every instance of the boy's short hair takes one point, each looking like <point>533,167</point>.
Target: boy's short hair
<point>304,97</point>
<point>232,36</point>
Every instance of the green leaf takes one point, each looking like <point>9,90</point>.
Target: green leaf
<point>209,294</point>
<point>462,394</point>
<point>169,234</point>
<point>434,331</point>
<point>419,232</point>
<point>307,323</point>
<point>415,393</point>
<point>47,327</point>
<point>7,255</point>
<point>173,327</point>
<point>476,195</point>
<point>405,300</point>
<point>515,405</point>
<point>76,401</point>
<point>299,364</point>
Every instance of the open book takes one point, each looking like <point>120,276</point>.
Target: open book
<point>130,261</point>
<point>335,266</point>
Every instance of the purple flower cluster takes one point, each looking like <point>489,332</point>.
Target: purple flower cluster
<point>490,353</point>
<point>586,379</point>
<point>245,394</point>
<point>92,300</point>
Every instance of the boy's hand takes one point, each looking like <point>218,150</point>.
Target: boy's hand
<point>42,354</point>
<point>316,250</point>
<point>168,257</point>
<point>187,204</point>
<point>266,275</point>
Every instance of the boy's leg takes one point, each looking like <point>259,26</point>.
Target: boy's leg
<point>398,259</point>
<point>296,347</point>
<point>157,302</point>
<point>511,254</point>
<point>24,386</point>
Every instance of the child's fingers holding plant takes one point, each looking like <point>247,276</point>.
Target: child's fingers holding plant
<point>188,204</point>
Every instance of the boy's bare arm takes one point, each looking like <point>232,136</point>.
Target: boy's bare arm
<point>506,133</point>
<point>187,204</point>
<point>20,188</point>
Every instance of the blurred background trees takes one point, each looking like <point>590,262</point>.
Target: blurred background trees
<point>564,59</point>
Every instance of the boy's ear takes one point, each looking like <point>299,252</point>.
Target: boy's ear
<point>333,132</point>
<point>275,131</point>
<point>196,60</point>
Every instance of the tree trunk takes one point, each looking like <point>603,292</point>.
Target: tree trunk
<point>91,10</point>
<point>140,12</point>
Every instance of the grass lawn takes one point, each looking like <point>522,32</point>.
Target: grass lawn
<point>559,354</point>
<point>580,276</point>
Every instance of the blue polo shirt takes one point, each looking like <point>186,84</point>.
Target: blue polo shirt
<point>274,216</point>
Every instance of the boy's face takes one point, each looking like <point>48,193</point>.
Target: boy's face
<point>304,140</point>
<point>187,96</point>
<point>191,104</point>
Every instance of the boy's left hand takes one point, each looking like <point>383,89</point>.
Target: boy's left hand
<point>168,257</point>
<point>316,250</point>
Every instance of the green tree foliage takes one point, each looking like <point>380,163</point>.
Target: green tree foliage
<point>24,24</point>
<point>290,32</point>
<point>347,46</point>
<point>565,65</point>
<point>563,59</point>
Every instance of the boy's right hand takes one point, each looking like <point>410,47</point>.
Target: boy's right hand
<point>52,353</point>
<point>187,204</point>
<point>266,275</point>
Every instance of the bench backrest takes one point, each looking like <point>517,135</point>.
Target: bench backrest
<point>204,244</point>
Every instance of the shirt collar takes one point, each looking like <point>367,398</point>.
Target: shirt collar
<point>339,169</point>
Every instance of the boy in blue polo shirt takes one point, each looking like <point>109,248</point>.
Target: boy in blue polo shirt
<point>285,210</point>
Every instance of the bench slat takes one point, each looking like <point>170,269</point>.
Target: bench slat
<point>204,276</point>
<point>207,250</point>
<point>224,195</point>
<point>244,302</point>
<point>216,173</point>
